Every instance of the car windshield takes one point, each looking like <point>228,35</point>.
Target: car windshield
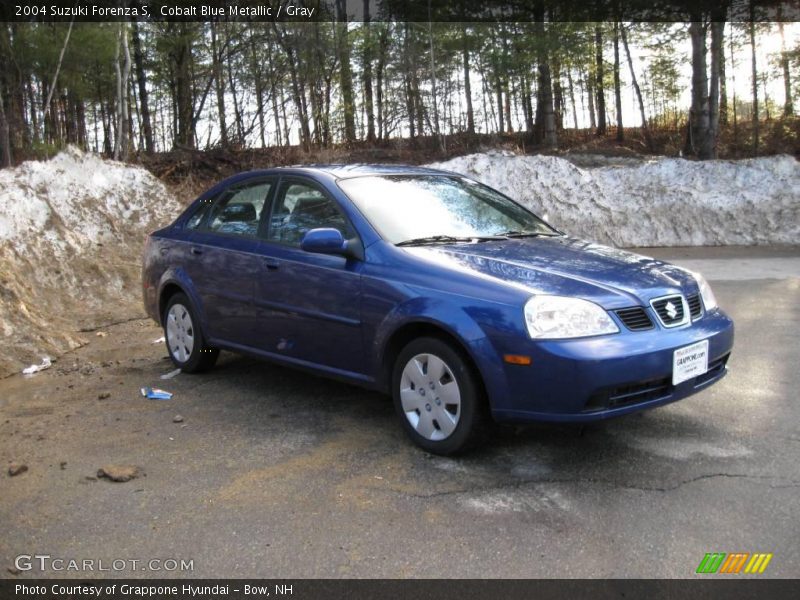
<point>439,208</point>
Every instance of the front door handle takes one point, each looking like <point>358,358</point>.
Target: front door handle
<point>197,251</point>
<point>271,264</point>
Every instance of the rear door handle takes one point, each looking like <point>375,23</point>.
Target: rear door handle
<point>197,251</point>
<point>271,264</point>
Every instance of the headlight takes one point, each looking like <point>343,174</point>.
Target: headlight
<point>559,317</point>
<point>709,301</point>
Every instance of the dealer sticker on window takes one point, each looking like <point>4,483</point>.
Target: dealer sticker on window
<point>689,362</point>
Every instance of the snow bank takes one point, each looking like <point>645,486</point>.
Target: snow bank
<point>72,228</point>
<point>660,202</point>
<point>71,233</point>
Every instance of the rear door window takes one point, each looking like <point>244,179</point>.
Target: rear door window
<point>238,210</point>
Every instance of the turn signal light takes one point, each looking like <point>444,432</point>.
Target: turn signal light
<point>517,359</point>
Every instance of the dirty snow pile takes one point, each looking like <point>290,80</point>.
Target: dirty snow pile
<point>71,235</point>
<point>658,202</point>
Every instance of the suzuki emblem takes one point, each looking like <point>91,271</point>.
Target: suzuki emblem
<point>671,310</point>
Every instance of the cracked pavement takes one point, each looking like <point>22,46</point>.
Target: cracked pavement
<point>273,472</point>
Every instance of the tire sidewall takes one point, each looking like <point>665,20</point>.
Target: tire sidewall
<point>196,357</point>
<point>470,397</point>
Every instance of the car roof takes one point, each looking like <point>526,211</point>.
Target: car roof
<point>344,171</point>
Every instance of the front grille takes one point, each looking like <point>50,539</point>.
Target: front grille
<point>652,389</point>
<point>632,393</point>
<point>670,310</point>
<point>635,319</point>
<point>695,306</point>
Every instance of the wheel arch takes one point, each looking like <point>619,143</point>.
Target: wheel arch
<point>167,292</point>
<point>412,330</point>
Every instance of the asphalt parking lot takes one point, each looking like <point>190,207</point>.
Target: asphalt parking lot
<point>273,472</point>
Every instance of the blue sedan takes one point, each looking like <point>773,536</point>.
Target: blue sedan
<point>430,286</point>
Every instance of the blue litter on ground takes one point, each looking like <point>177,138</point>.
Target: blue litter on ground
<point>156,394</point>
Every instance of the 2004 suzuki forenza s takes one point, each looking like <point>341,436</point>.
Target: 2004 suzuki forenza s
<point>459,301</point>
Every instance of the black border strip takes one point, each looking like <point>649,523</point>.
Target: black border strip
<point>710,587</point>
<point>398,10</point>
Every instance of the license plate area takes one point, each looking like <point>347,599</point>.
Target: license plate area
<point>689,362</point>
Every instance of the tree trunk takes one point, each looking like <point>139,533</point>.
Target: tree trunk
<point>527,102</point>
<point>237,110</point>
<point>274,95</point>
<point>297,94</point>
<point>617,86</point>
<point>545,115</point>
<point>141,80</point>
<point>346,76</point>
<point>434,94</point>
<point>383,44</point>
<point>733,87</point>
<point>571,86</point>
<point>184,95</point>
<point>717,52</point>
<point>259,85</point>
<point>409,93</point>
<point>754,75</point>
<point>467,82</point>
<point>34,112</point>
<point>500,112</point>
<point>601,98</point>
<point>558,94</point>
<point>723,87</point>
<point>219,85</point>
<point>47,104</point>
<point>5,139</point>
<point>590,95</point>
<point>368,100</point>
<point>121,142</point>
<point>645,128</point>
<point>788,106</point>
<point>700,140</point>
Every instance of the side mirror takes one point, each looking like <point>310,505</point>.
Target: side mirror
<point>327,240</point>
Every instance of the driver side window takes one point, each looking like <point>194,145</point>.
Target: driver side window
<point>301,207</point>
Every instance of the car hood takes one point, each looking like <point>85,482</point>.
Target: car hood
<point>566,266</point>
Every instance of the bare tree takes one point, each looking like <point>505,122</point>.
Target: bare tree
<point>345,73</point>
<point>601,97</point>
<point>46,106</point>
<point>141,82</point>
<point>467,82</point>
<point>121,141</point>
<point>368,100</point>
<point>545,126</point>
<point>717,56</point>
<point>754,74</point>
<point>5,139</point>
<point>617,90</point>
<point>645,128</point>
<point>788,107</point>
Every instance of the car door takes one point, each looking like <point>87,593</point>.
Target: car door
<point>308,304</point>
<point>224,261</point>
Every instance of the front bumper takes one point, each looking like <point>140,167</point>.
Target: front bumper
<point>592,379</point>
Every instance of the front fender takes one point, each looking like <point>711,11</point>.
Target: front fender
<point>455,321</point>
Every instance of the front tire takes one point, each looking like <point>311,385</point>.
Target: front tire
<point>437,396</point>
<point>185,343</point>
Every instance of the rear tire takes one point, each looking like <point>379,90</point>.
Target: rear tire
<point>185,342</point>
<point>437,396</point>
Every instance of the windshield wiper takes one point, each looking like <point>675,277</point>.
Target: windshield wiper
<point>518,234</point>
<point>434,239</point>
